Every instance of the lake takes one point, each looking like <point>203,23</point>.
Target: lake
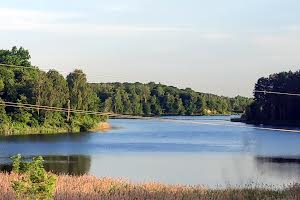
<point>210,151</point>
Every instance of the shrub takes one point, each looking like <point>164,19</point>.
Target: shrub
<point>34,181</point>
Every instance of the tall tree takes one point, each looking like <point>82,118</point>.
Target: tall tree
<point>81,94</point>
<point>15,56</point>
<point>271,107</point>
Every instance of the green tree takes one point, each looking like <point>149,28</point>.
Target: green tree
<point>59,91</point>
<point>15,56</point>
<point>155,106</point>
<point>117,102</point>
<point>158,99</point>
<point>275,108</point>
<point>29,85</point>
<point>34,182</point>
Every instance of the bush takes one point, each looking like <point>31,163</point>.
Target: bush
<point>34,182</point>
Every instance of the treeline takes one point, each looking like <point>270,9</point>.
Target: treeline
<point>157,99</point>
<point>29,85</point>
<point>270,108</point>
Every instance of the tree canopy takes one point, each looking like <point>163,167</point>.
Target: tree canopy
<point>271,107</point>
<point>29,85</point>
<point>157,99</point>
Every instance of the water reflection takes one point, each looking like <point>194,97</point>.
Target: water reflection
<point>278,167</point>
<point>284,160</point>
<point>70,137</point>
<point>209,169</point>
<point>72,164</point>
<point>179,168</point>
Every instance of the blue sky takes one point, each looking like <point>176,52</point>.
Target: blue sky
<point>214,46</point>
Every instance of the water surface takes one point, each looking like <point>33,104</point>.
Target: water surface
<point>209,152</point>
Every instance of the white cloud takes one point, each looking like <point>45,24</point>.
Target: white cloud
<point>65,23</point>
<point>117,8</point>
<point>292,28</point>
<point>28,20</point>
<point>287,36</point>
<point>15,16</point>
<point>216,36</point>
<point>17,19</point>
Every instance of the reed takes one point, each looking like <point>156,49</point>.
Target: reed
<point>92,188</point>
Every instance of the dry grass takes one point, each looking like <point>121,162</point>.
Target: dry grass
<point>92,188</point>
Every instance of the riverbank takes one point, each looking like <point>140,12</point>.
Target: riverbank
<point>27,130</point>
<point>89,187</point>
<point>102,126</point>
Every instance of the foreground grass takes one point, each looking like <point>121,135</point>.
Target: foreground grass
<point>92,188</point>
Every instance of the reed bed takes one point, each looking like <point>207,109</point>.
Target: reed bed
<point>91,188</point>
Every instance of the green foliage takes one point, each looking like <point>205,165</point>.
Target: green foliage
<point>1,85</point>
<point>16,165</point>
<point>157,99</point>
<point>33,86</point>
<point>275,108</point>
<point>81,94</point>
<point>15,56</point>
<point>34,181</point>
<point>84,122</point>
<point>5,121</point>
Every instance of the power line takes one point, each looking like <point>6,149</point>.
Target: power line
<point>60,71</point>
<point>206,123</point>
<point>36,68</point>
<point>279,93</point>
<point>123,116</point>
<point>49,108</point>
<point>35,106</point>
<point>237,126</point>
<point>17,66</point>
<point>57,109</point>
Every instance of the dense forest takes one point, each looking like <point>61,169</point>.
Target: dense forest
<point>29,85</point>
<point>157,99</point>
<point>272,108</point>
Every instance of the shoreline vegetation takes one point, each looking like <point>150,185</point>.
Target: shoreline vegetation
<point>102,126</point>
<point>23,83</point>
<point>28,85</point>
<point>90,187</point>
<point>276,101</point>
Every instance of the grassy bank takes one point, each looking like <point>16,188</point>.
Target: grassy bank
<point>27,130</point>
<point>92,188</point>
<point>16,129</point>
